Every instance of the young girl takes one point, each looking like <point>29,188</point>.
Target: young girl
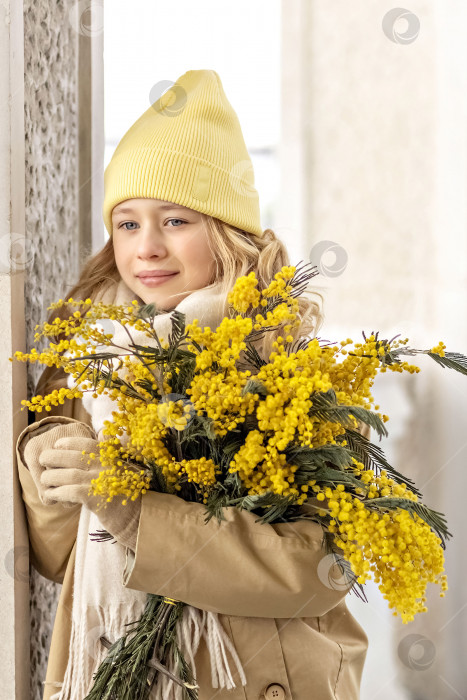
<point>183,218</point>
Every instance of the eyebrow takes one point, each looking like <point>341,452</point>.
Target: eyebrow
<point>130,210</point>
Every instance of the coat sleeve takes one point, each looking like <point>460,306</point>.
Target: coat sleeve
<point>236,567</point>
<point>52,529</point>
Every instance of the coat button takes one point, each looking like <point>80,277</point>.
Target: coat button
<point>274,691</point>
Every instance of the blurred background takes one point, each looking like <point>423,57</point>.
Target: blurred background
<point>355,117</point>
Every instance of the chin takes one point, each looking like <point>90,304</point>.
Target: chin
<point>164,307</point>
<point>161,304</point>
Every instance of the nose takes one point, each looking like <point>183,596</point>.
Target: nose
<point>150,244</point>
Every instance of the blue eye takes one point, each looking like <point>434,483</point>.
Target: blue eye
<point>125,224</point>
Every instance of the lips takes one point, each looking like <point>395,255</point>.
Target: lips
<point>155,273</point>
<point>155,278</point>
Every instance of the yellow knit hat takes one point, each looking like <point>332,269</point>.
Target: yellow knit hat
<point>187,148</point>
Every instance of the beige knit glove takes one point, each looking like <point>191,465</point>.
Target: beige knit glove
<point>66,478</point>
<point>42,436</point>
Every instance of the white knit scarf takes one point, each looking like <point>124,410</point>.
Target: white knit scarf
<point>102,605</point>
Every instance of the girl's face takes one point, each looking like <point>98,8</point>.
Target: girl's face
<point>161,250</point>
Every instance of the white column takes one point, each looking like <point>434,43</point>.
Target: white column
<point>99,234</point>
<point>442,475</point>
<point>374,166</point>
<point>14,571</point>
<point>290,209</point>
<point>90,83</point>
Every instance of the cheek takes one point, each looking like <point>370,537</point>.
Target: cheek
<point>120,253</point>
<point>196,253</point>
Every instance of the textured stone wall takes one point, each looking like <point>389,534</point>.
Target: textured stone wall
<point>51,155</point>
<point>51,127</point>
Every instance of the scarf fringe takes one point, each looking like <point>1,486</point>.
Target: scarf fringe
<point>217,640</point>
<point>188,635</point>
<point>87,652</point>
<point>195,624</point>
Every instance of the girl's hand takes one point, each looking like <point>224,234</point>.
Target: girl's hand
<point>67,479</point>
<point>67,475</point>
<point>43,436</point>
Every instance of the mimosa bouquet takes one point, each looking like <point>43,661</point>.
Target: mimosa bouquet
<point>204,416</point>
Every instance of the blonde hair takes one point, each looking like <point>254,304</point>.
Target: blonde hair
<point>236,253</point>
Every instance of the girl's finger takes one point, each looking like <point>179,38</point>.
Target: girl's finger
<point>66,477</point>
<point>67,495</point>
<point>54,458</point>
<point>77,443</point>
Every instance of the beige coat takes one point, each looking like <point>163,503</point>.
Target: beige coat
<point>294,635</point>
